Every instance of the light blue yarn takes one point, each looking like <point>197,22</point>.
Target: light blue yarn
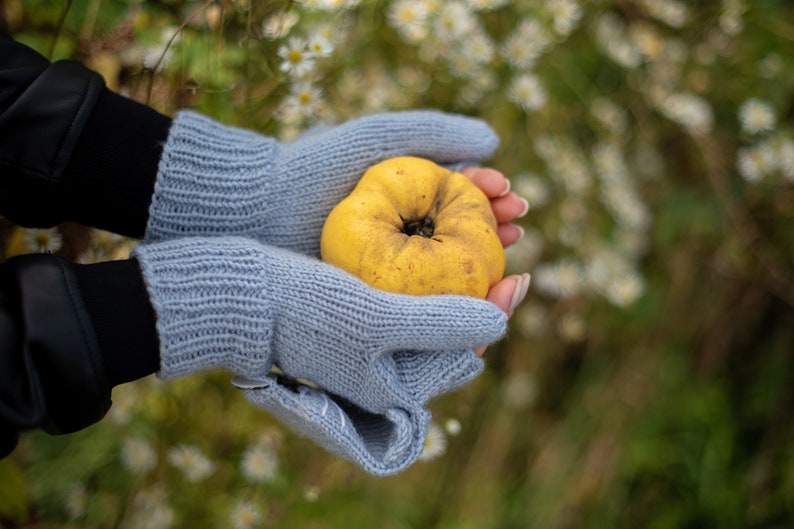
<point>378,358</point>
<point>219,180</point>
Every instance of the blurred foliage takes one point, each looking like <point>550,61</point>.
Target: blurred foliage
<point>646,382</point>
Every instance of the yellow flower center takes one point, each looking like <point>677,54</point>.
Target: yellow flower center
<point>42,240</point>
<point>295,56</point>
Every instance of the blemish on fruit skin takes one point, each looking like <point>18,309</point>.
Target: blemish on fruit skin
<point>468,266</point>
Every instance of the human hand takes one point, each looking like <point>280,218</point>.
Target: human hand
<point>220,180</point>
<point>373,358</point>
<point>507,206</point>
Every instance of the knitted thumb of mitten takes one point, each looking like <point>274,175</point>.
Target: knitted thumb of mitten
<point>373,358</point>
<point>220,180</point>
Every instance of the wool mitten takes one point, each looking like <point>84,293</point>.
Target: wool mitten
<point>372,359</point>
<point>219,180</point>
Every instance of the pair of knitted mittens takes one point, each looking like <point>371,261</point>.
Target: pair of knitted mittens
<point>230,263</point>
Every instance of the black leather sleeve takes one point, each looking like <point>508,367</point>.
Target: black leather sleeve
<point>70,149</point>
<point>68,334</point>
<point>44,109</point>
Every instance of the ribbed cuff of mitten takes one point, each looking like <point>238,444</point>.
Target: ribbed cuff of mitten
<point>209,306</point>
<point>209,180</point>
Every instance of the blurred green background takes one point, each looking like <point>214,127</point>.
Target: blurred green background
<point>646,381</point>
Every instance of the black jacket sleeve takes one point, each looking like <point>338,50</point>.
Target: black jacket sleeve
<point>68,334</point>
<point>70,149</point>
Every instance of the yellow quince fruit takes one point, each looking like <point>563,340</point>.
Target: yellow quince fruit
<point>411,226</point>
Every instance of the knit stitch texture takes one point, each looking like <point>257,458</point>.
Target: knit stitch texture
<point>377,357</point>
<point>219,180</point>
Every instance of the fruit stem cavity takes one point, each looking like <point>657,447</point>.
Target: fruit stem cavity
<point>422,227</point>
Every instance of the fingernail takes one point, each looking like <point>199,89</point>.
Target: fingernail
<point>522,287</point>
<point>526,207</point>
<point>521,232</point>
<point>507,189</point>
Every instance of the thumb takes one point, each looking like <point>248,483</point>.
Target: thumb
<point>439,323</point>
<point>355,145</point>
<point>438,136</point>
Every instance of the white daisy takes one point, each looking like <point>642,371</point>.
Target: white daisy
<point>455,20</point>
<point>280,24</point>
<point>191,461</point>
<point>43,240</point>
<point>757,116</point>
<point>245,515</point>
<point>533,188</point>
<point>562,279</point>
<point>319,46</point>
<point>674,13</point>
<point>435,443</point>
<point>149,508</point>
<point>525,44</point>
<point>565,14</point>
<point>296,58</point>
<point>304,103</point>
<point>527,92</point>
<point>137,455</point>
<point>259,464</point>
<point>625,290</point>
<point>479,48</point>
<point>691,111</point>
<point>756,162</point>
<point>409,18</point>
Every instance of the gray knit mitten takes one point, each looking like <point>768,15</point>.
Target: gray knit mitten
<point>373,358</point>
<point>219,180</point>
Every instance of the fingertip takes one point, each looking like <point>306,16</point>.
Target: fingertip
<point>490,181</point>
<point>509,207</point>
<point>506,189</point>
<point>509,233</point>
<point>524,207</point>
<point>501,294</point>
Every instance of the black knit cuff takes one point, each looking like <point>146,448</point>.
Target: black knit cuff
<point>109,180</point>
<point>118,304</point>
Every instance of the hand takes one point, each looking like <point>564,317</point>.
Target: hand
<point>220,180</point>
<point>373,358</point>
<point>507,206</point>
